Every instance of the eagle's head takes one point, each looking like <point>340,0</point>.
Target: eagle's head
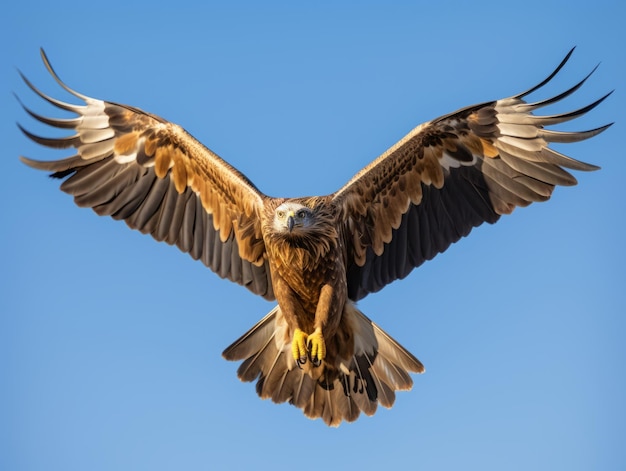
<point>300,231</point>
<point>294,219</point>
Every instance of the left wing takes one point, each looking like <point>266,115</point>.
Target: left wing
<point>137,167</point>
<point>450,175</point>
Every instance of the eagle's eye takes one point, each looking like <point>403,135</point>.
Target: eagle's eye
<point>280,213</point>
<point>301,214</point>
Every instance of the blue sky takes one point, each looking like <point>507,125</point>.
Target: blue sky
<point>110,343</point>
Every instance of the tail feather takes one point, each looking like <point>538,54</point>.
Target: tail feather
<point>394,362</point>
<point>280,390</point>
<point>391,374</point>
<point>339,390</point>
<point>251,342</point>
<point>250,368</point>
<point>256,347</point>
<point>302,388</point>
<point>386,395</point>
<point>332,406</point>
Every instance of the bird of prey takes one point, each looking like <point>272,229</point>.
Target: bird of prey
<point>315,256</point>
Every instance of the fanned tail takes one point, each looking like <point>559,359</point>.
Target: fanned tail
<point>344,387</point>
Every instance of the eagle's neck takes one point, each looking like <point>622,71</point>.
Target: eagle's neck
<point>302,252</point>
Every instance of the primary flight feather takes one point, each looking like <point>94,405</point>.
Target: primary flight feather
<point>316,256</point>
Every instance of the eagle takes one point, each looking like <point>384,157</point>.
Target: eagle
<point>315,256</point>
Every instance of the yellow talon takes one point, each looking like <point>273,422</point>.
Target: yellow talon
<point>298,346</point>
<point>317,347</point>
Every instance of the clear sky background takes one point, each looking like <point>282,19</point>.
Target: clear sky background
<point>110,342</point>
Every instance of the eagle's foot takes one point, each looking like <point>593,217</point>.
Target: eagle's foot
<point>298,347</point>
<point>316,347</point>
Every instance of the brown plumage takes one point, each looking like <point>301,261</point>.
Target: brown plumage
<point>316,256</point>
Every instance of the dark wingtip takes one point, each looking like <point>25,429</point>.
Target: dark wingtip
<point>550,77</point>
<point>59,168</point>
<point>56,77</point>
<point>54,142</point>
<point>38,164</point>
<point>27,161</point>
<point>601,129</point>
<point>46,61</point>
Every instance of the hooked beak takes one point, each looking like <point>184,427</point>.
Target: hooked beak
<point>290,222</point>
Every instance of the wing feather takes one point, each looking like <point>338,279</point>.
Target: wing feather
<point>137,167</point>
<point>450,175</point>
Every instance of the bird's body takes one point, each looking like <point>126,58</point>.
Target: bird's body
<point>316,256</point>
<point>307,265</point>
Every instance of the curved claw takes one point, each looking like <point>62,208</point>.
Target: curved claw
<point>316,347</point>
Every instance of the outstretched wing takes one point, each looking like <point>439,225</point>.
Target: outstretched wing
<point>450,175</point>
<point>135,166</point>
